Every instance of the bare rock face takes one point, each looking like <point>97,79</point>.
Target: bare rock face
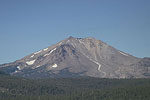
<point>74,57</point>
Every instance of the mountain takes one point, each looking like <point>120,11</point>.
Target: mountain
<point>74,57</point>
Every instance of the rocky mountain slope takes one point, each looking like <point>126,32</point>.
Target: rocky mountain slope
<point>75,57</point>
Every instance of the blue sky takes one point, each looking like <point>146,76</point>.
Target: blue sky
<point>27,26</point>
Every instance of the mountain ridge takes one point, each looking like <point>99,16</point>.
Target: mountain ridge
<point>75,57</point>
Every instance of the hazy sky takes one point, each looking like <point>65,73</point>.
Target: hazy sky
<point>27,26</point>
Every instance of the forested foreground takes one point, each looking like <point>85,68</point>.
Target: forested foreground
<point>83,88</point>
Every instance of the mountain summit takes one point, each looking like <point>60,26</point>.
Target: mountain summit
<point>74,57</point>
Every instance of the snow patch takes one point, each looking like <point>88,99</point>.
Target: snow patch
<point>52,50</point>
<point>54,66</point>
<point>99,65</point>
<point>45,49</point>
<point>47,54</point>
<point>32,56</point>
<point>18,67</point>
<point>30,62</point>
<point>38,66</point>
<point>38,52</point>
<point>81,42</point>
<point>123,53</point>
